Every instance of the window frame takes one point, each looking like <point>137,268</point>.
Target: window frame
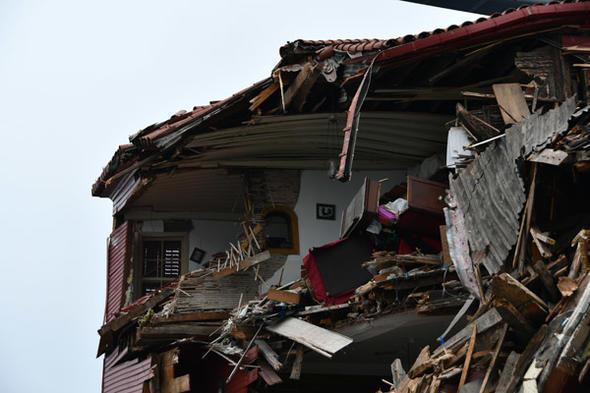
<point>139,279</point>
<point>294,229</point>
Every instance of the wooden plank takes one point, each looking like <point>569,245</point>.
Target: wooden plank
<point>468,357</point>
<point>192,317</point>
<point>422,363</point>
<point>512,103</point>
<point>494,358</point>
<point>446,256</point>
<point>518,259</point>
<point>269,375</point>
<point>523,362</point>
<point>181,384</point>
<point>323,341</point>
<point>506,373</point>
<point>398,374</point>
<point>283,296</point>
<point>320,308</point>
<point>297,364</point>
<point>245,264</point>
<point>263,96</point>
<point>486,321</point>
<point>297,92</point>
<point>168,383</point>
<point>532,307</point>
<point>543,249</point>
<point>549,156</point>
<point>269,354</point>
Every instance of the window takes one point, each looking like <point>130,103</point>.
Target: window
<point>162,260</point>
<point>281,230</point>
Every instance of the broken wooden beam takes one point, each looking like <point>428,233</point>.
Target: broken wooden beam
<point>269,354</point>
<point>533,308</point>
<point>283,296</point>
<point>243,265</point>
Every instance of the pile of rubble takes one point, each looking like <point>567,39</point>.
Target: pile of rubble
<point>526,326</point>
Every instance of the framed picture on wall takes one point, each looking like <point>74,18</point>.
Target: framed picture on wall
<point>325,212</point>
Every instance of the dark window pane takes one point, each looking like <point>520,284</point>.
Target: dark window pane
<point>152,258</point>
<point>278,230</point>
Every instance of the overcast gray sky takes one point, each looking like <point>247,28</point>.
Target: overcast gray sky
<point>78,77</point>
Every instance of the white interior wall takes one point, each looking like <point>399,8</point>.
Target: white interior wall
<point>212,236</point>
<point>317,187</point>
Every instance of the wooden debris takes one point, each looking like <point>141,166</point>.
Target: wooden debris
<point>532,307</point>
<point>543,249</point>
<point>470,348</point>
<point>263,96</point>
<point>549,156</point>
<point>494,359</point>
<point>421,364</point>
<point>269,375</point>
<point>320,308</point>
<point>283,296</point>
<point>297,364</point>
<point>269,354</point>
<point>323,341</point>
<point>446,256</point>
<point>567,286</point>
<point>297,92</point>
<point>511,101</point>
<point>243,265</point>
<point>169,383</point>
<point>478,128</point>
<point>397,373</point>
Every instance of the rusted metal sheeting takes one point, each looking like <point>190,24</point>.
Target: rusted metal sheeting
<point>126,377</point>
<point>117,255</point>
<point>490,194</point>
<point>207,293</point>
<point>459,249</point>
<point>539,129</point>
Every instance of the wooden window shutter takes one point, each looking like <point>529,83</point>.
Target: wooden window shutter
<point>118,257</point>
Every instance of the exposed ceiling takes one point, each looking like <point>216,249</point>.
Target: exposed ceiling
<point>209,190</point>
<point>385,140</point>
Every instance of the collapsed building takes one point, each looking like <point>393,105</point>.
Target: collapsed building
<point>246,257</point>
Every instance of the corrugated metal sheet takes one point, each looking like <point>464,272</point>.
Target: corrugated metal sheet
<point>490,192</point>
<point>117,256</point>
<point>125,377</point>
<point>540,129</point>
<point>386,138</point>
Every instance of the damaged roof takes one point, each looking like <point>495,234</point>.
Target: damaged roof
<point>150,142</point>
